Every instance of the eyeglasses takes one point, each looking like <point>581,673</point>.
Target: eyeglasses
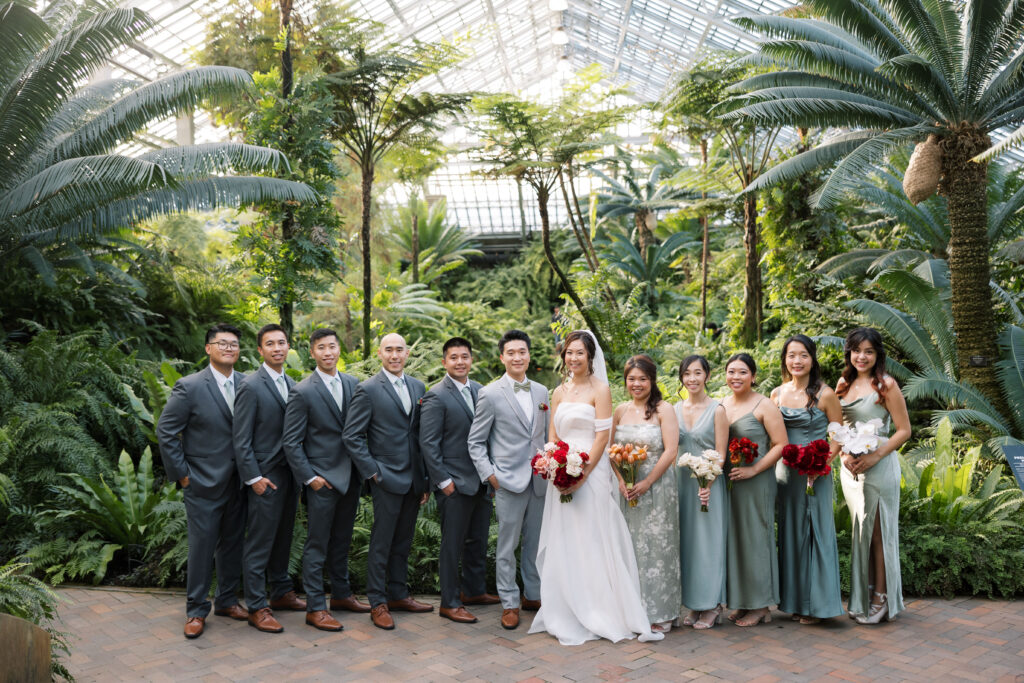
<point>225,345</point>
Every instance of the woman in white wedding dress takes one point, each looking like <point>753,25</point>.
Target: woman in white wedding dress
<point>589,584</point>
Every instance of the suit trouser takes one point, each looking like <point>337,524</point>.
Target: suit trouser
<point>268,540</point>
<point>216,529</point>
<point>331,517</point>
<point>465,524</point>
<point>519,515</point>
<point>394,525</point>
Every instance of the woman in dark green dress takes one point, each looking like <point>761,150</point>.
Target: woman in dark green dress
<point>808,555</point>
<point>871,482</point>
<point>752,577</point>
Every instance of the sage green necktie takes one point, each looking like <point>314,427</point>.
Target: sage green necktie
<point>335,386</point>
<point>229,395</point>
<point>282,388</point>
<point>403,393</point>
<point>468,398</point>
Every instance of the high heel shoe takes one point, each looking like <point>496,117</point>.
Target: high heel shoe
<point>765,616</point>
<point>738,614</point>
<point>877,612</point>
<point>691,618</point>
<point>704,624</point>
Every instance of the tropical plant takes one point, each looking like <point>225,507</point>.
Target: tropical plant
<point>648,270</point>
<point>60,179</point>
<point>427,240</point>
<point>26,597</point>
<point>895,73</point>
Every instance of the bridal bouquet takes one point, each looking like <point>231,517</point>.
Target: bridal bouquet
<point>859,439</point>
<point>561,464</point>
<point>627,457</point>
<point>704,468</point>
<point>741,452</point>
<point>810,460</point>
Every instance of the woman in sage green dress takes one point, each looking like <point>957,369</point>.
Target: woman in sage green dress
<point>702,426</point>
<point>871,482</point>
<point>808,555</point>
<point>653,523</point>
<point>752,575</point>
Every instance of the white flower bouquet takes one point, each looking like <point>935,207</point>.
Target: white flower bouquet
<point>705,468</point>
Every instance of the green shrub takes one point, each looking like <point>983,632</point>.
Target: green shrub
<point>26,597</point>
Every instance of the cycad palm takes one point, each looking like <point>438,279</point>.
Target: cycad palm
<point>440,245</point>
<point>895,71</point>
<point>59,180</point>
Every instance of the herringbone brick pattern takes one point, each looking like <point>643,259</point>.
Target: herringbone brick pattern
<point>136,636</point>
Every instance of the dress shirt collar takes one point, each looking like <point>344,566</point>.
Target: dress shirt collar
<point>458,384</point>
<point>274,374</point>
<point>512,382</point>
<point>327,378</point>
<point>392,377</point>
<point>221,378</point>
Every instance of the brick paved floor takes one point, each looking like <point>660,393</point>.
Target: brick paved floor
<point>134,635</point>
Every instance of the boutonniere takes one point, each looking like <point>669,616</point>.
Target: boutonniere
<point>420,401</point>
<point>542,407</point>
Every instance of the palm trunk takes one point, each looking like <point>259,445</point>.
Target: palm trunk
<point>704,246</point>
<point>522,210</point>
<point>965,184</point>
<point>545,231</point>
<point>751,332</point>
<point>286,311</point>
<point>416,245</point>
<point>364,234</point>
<point>643,234</point>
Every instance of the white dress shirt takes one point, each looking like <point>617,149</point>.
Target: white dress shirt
<point>402,390</point>
<point>460,386</point>
<point>222,381</point>
<point>525,398</point>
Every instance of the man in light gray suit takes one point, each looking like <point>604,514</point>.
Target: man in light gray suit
<point>446,414</point>
<point>381,436</point>
<point>197,447</point>
<point>313,426</point>
<point>272,495</point>
<point>509,427</point>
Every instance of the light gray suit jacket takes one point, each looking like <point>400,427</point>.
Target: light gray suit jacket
<point>502,441</point>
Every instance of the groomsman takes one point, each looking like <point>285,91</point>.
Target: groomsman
<point>446,413</point>
<point>272,496</point>
<point>381,436</point>
<point>313,424</point>
<point>509,426</point>
<point>197,447</point>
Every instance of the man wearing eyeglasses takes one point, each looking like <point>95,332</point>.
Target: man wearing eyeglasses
<point>197,447</point>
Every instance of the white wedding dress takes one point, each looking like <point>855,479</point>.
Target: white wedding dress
<point>589,584</point>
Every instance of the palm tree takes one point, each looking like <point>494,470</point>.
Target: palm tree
<point>380,106</point>
<point>60,180</point>
<point>435,246</point>
<point>895,72</point>
<point>646,269</point>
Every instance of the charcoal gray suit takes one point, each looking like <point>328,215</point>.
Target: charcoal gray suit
<point>196,441</point>
<point>382,440</point>
<point>313,427</point>
<point>445,418</point>
<point>258,426</point>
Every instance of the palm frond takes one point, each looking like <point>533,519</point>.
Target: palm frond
<point>936,386</point>
<point>851,263</point>
<point>1010,370</point>
<point>927,304</point>
<point>190,161</point>
<point>22,33</point>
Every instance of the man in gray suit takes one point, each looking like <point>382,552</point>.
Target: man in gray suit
<point>272,496</point>
<point>381,436</point>
<point>313,425</point>
<point>509,427</point>
<point>446,413</point>
<point>197,447</point>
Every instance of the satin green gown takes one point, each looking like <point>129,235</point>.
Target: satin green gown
<point>701,534</point>
<point>654,527</point>
<point>875,492</point>
<point>752,577</point>
<point>808,554</point>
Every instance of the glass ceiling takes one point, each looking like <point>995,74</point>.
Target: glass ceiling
<point>515,45</point>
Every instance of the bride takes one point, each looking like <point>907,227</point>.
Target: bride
<point>589,584</point>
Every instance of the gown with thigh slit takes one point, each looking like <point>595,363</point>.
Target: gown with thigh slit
<point>589,584</point>
<point>808,555</point>
<point>875,492</point>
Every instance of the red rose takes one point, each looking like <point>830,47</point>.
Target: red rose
<point>543,406</point>
<point>790,454</point>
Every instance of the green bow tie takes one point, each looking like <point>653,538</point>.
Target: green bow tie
<point>521,386</point>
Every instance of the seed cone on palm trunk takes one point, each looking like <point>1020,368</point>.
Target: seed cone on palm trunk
<point>924,170</point>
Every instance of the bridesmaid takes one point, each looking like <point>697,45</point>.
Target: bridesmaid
<point>654,523</point>
<point>702,426</point>
<point>752,576</point>
<point>871,483</point>
<point>808,555</point>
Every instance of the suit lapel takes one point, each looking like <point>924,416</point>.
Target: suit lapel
<point>218,397</point>
<point>457,393</point>
<point>516,408</point>
<point>328,398</point>
<point>271,386</point>
<point>539,395</point>
<point>389,389</point>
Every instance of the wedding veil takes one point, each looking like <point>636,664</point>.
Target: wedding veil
<point>600,370</point>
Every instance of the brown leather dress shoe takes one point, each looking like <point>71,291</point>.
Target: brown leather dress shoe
<point>510,618</point>
<point>531,605</point>
<point>236,611</point>
<point>458,614</point>
<point>263,620</point>
<point>289,601</point>
<point>482,599</point>
<point>323,620</point>
<point>409,605</point>
<point>381,617</point>
<point>194,627</point>
<point>351,604</point>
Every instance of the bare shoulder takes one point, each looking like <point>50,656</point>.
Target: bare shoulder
<point>890,382</point>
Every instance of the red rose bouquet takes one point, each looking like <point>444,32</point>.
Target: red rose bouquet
<point>627,457</point>
<point>741,452</point>
<point>561,464</point>
<point>810,460</point>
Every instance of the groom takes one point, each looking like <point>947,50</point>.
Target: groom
<point>509,426</point>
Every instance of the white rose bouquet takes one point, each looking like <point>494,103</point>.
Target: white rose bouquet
<point>705,468</point>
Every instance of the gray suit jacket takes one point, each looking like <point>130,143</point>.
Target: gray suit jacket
<point>444,432</point>
<point>195,434</point>
<point>258,425</point>
<point>501,440</point>
<point>313,428</point>
<point>382,438</point>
